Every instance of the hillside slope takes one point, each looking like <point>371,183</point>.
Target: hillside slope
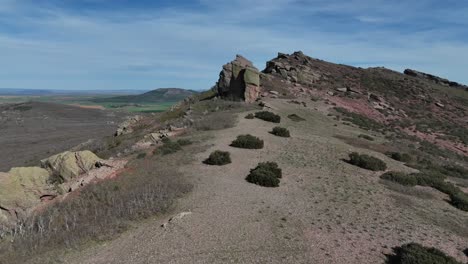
<point>155,96</point>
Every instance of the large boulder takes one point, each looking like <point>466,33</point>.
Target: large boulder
<point>126,127</point>
<point>239,80</point>
<point>69,165</point>
<point>21,189</point>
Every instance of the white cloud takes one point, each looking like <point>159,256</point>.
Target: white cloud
<point>56,48</point>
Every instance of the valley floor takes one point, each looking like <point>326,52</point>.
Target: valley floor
<point>325,210</point>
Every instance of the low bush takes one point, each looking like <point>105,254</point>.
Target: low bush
<point>141,155</point>
<point>295,118</point>
<point>414,253</point>
<point>268,116</point>
<point>247,142</point>
<point>367,162</point>
<point>460,200</point>
<point>250,116</point>
<point>366,137</point>
<point>184,142</point>
<point>266,174</point>
<point>401,178</point>
<point>280,132</point>
<point>218,158</point>
<point>168,147</point>
<point>403,157</point>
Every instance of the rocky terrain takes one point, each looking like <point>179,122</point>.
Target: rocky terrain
<point>326,207</point>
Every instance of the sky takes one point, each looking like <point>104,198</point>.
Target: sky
<point>148,44</point>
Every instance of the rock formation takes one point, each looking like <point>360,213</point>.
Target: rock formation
<point>126,126</point>
<point>239,80</point>
<point>435,79</point>
<point>20,189</point>
<point>294,68</point>
<point>68,164</point>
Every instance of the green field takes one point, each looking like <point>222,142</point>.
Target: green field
<point>88,100</point>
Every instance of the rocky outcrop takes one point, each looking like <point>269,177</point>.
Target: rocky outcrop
<point>68,165</point>
<point>21,189</point>
<point>294,68</point>
<point>239,80</point>
<point>126,126</point>
<point>434,79</point>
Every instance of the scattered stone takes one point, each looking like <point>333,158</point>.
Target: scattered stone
<point>440,105</point>
<point>343,89</point>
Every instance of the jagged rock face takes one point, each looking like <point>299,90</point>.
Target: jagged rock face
<point>239,80</point>
<point>126,126</point>
<point>294,68</point>
<point>435,79</point>
<point>70,164</point>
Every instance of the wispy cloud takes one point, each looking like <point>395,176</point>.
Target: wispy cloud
<point>89,46</point>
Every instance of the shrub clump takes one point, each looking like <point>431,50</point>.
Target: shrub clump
<point>401,178</point>
<point>219,158</point>
<point>403,157</point>
<point>247,142</point>
<point>184,142</point>
<point>459,200</point>
<point>414,253</point>
<point>250,116</point>
<point>268,116</point>
<point>366,137</point>
<point>266,174</point>
<point>367,162</point>
<point>169,147</point>
<point>295,118</point>
<point>280,132</point>
<point>141,155</point>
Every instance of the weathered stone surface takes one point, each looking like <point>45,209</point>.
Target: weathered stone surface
<point>434,79</point>
<point>239,80</point>
<point>126,126</point>
<point>70,164</point>
<point>20,189</point>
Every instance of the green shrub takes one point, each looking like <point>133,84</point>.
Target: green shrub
<point>250,116</point>
<point>247,142</point>
<point>403,157</point>
<point>268,116</point>
<point>295,118</point>
<point>401,178</point>
<point>455,171</point>
<point>460,201</point>
<point>280,132</point>
<point>168,147</point>
<point>367,162</point>
<point>266,174</point>
<point>416,254</point>
<point>184,142</point>
<point>367,137</point>
<point>218,158</point>
<point>141,155</point>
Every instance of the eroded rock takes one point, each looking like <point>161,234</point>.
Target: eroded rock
<point>68,164</point>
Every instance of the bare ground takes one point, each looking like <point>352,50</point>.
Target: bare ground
<point>325,210</point>
<point>33,131</point>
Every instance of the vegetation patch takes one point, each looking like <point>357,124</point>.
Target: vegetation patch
<point>403,157</point>
<point>366,137</point>
<point>168,147</point>
<point>414,253</point>
<point>141,155</point>
<point>295,118</point>
<point>266,174</point>
<point>360,120</point>
<point>367,162</point>
<point>184,142</point>
<point>280,132</point>
<point>400,177</point>
<point>247,142</point>
<point>219,158</point>
<point>268,116</point>
<point>250,116</point>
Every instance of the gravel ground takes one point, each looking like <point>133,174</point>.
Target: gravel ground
<point>325,210</point>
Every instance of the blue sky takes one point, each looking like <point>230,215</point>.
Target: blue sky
<point>131,44</point>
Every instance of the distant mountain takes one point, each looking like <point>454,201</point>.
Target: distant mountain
<point>155,96</point>
<point>46,92</point>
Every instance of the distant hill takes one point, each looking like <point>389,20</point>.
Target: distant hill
<point>155,96</point>
<point>46,92</point>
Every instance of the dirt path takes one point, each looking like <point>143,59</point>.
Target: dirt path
<point>325,210</point>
